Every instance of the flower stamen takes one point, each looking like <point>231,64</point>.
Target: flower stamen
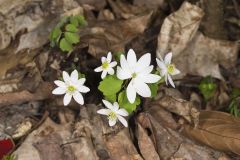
<point>171,68</point>
<point>134,75</point>
<point>71,89</point>
<point>105,65</point>
<point>112,116</point>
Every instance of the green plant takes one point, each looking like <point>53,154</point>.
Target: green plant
<point>234,104</point>
<point>234,109</point>
<point>207,87</point>
<point>65,33</point>
<point>9,157</point>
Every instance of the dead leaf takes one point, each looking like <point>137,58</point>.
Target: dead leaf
<point>107,36</point>
<point>178,29</point>
<point>123,9</point>
<point>218,130</point>
<point>146,146</point>
<point>180,107</point>
<point>193,52</point>
<point>121,147</point>
<point>150,4</point>
<point>170,144</point>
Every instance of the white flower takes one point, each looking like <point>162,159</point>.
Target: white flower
<point>167,68</point>
<point>71,87</point>
<point>107,66</point>
<point>139,72</point>
<point>114,113</point>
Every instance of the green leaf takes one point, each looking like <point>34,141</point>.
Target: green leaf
<point>71,28</point>
<point>207,87</point>
<point>110,85</point>
<point>55,33</point>
<point>111,98</point>
<point>235,93</point>
<point>65,45</point>
<point>55,36</point>
<point>154,88</point>
<point>74,21</point>
<point>72,38</point>
<point>81,20</point>
<point>124,103</point>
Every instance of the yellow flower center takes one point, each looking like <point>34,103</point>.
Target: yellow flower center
<point>171,68</point>
<point>134,75</point>
<point>105,65</point>
<point>71,88</point>
<point>112,116</point>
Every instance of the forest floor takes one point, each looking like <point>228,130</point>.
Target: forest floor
<point>196,120</point>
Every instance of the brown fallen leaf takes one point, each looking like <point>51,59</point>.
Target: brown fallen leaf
<point>169,144</point>
<point>178,29</point>
<point>146,145</point>
<point>124,9</point>
<point>193,52</point>
<point>217,129</point>
<point>180,107</point>
<point>121,147</point>
<point>43,92</point>
<point>105,36</point>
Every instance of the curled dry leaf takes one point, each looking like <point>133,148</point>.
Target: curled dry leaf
<point>178,29</point>
<point>180,107</point>
<point>193,52</point>
<point>121,147</point>
<point>217,129</point>
<point>170,144</point>
<point>113,35</point>
<point>126,10</point>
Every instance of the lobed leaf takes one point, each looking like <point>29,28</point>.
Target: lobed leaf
<point>124,103</point>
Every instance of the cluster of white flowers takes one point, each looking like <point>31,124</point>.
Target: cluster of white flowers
<point>136,72</point>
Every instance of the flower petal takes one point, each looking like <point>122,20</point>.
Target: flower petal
<point>59,91</point>
<point>142,88</point>
<point>150,78</point>
<point>74,76</point>
<point>109,57</point>
<point>166,79</point>
<point>103,111</point>
<point>98,69</point>
<point>104,73</point>
<point>122,112</point>
<point>66,77</point>
<point>66,99</point>
<point>131,92</point>
<point>122,120</point>
<point>78,98</point>
<point>168,58</point>
<point>123,74</point>
<point>124,63</point>
<point>112,122</point>
<point>110,71</point>
<point>60,83</point>
<point>103,59</point>
<point>113,64</point>
<point>143,62</point>
<point>171,81</point>
<point>108,104</point>
<point>83,89</point>
<point>81,81</point>
<point>175,72</point>
<point>161,64</point>
<point>146,71</point>
<point>131,57</point>
<point>115,106</point>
